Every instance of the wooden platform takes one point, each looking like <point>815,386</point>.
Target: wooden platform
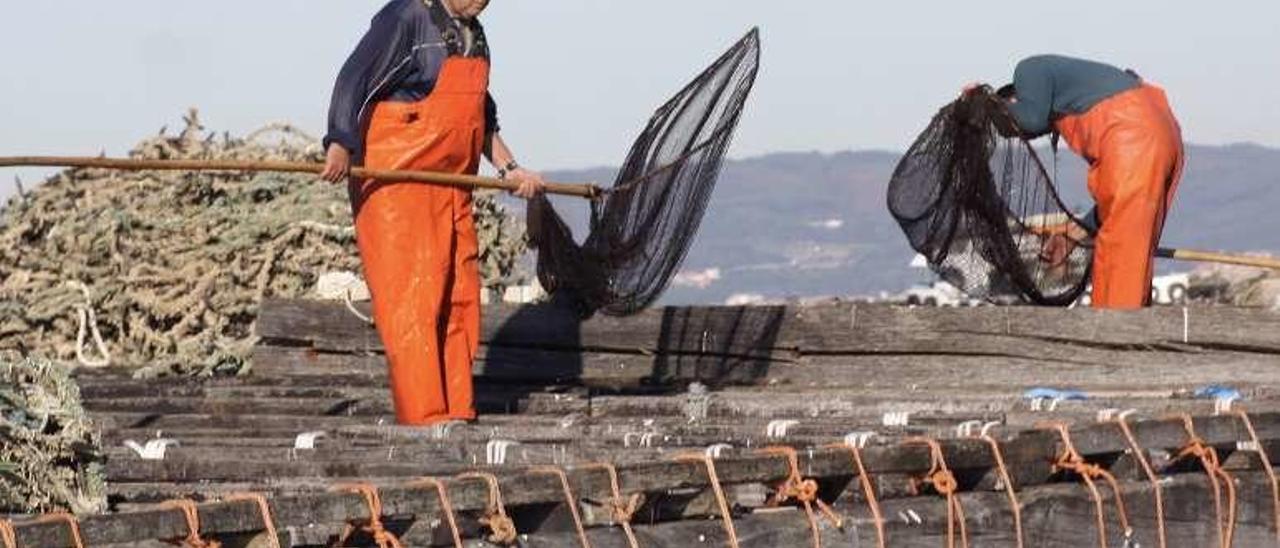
<point>636,392</point>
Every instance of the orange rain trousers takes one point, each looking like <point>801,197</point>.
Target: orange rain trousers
<point>1134,147</point>
<point>418,244</point>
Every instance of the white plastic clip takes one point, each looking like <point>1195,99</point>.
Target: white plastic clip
<point>986,428</point>
<point>778,428</point>
<point>1107,415</point>
<point>1045,404</point>
<point>965,429</point>
<point>153,450</point>
<point>307,440</point>
<point>910,517</point>
<point>897,418</point>
<point>1222,406</point>
<point>496,451</point>
<point>714,451</point>
<point>441,431</point>
<point>858,439</point>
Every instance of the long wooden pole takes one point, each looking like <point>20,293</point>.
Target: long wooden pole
<point>1214,257</point>
<point>128,164</point>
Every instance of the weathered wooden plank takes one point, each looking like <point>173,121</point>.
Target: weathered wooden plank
<point>835,328</point>
<point>510,364</point>
<point>1041,506</point>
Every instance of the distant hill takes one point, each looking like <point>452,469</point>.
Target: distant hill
<point>806,224</point>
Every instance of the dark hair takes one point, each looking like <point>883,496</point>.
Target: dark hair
<point>1006,92</point>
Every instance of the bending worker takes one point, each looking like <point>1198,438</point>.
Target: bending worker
<point>1126,131</point>
<point>414,95</point>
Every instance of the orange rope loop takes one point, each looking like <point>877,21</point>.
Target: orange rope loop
<point>268,524</point>
<point>868,489</point>
<point>8,534</point>
<point>1139,454</point>
<point>569,499</point>
<point>1014,505</point>
<point>446,507</point>
<point>726,516</point>
<point>373,526</point>
<point>1072,461</point>
<point>1218,478</point>
<point>804,491</point>
<point>1266,466</point>
<point>621,510</point>
<point>502,530</point>
<point>944,482</point>
<point>73,525</point>
<point>192,515</point>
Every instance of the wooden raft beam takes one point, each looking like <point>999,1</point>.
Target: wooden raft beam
<point>1029,447</point>
<point>835,328</point>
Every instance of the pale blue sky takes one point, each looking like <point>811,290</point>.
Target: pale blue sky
<point>576,79</point>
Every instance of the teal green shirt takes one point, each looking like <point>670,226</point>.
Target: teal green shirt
<point>1049,86</point>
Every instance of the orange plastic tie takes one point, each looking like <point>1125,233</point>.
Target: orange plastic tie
<point>804,491</point>
<point>944,482</point>
<point>73,525</point>
<point>868,489</point>
<point>502,530</point>
<point>621,510</point>
<point>726,517</point>
<point>1139,454</point>
<point>268,524</point>
<point>569,499</point>
<point>1266,466</point>
<point>446,507</point>
<point>1218,478</point>
<point>192,515</point>
<point>1014,505</point>
<point>373,526</point>
<point>8,534</point>
<point>1072,461</point>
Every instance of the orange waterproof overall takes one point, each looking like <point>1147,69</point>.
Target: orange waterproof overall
<point>1134,148</point>
<point>418,244</point>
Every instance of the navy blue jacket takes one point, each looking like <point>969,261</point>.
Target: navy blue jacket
<point>399,59</point>
<point>1049,86</point>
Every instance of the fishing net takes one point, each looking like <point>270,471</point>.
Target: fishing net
<point>50,452</point>
<point>163,272</point>
<point>642,227</point>
<point>980,207</point>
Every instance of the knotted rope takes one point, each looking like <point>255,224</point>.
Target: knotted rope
<point>1139,454</point>
<point>502,530</point>
<point>621,510</point>
<point>1014,505</point>
<point>726,517</point>
<point>1219,479</point>
<point>446,507</point>
<point>1071,460</point>
<point>804,491</point>
<point>944,482</point>
<point>192,515</point>
<point>8,534</point>
<point>868,489</point>
<point>268,524</point>
<point>569,499</point>
<point>73,525</point>
<point>373,526</point>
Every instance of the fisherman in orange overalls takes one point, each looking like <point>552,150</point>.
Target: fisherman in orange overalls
<point>414,95</point>
<point>1126,131</point>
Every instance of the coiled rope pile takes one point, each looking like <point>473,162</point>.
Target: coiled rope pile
<point>163,271</point>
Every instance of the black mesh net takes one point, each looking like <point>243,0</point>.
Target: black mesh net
<point>984,212</point>
<point>642,227</point>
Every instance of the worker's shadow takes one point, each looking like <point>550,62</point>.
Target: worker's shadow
<point>549,347</point>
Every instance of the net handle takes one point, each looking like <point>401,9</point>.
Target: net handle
<point>451,179</point>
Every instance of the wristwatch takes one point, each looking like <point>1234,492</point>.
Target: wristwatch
<point>504,170</point>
